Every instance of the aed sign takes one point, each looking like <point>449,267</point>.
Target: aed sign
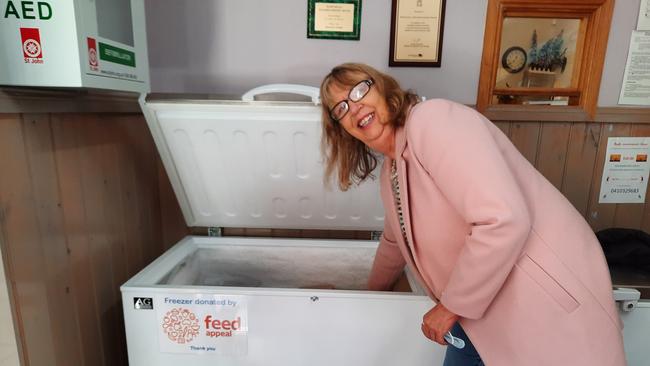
<point>40,10</point>
<point>202,323</point>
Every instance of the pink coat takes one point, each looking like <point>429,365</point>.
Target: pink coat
<point>497,244</point>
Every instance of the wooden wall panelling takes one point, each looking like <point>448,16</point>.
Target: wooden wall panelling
<point>149,161</point>
<point>631,215</point>
<point>80,214</point>
<point>601,216</point>
<point>580,162</point>
<point>61,305</point>
<point>114,214</point>
<point>133,207</point>
<point>525,136</point>
<point>150,158</point>
<point>23,248</point>
<point>100,251</point>
<point>504,127</point>
<point>129,202</point>
<point>552,151</point>
<point>13,193</point>
<point>143,155</point>
<point>10,283</point>
<point>152,178</point>
<point>68,159</point>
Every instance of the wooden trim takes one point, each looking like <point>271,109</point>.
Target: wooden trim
<point>594,57</point>
<point>41,100</point>
<point>623,115</point>
<point>537,113</point>
<point>568,92</point>
<point>490,45</point>
<point>591,46</point>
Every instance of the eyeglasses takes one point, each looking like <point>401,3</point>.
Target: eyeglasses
<point>356,94</point>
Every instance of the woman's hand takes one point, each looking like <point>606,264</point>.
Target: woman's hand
<point>437,322</point>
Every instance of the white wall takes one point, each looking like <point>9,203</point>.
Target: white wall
<point>623,22</point>
<point>231,46</point>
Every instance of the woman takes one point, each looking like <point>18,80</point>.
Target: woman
<point>507,258</point>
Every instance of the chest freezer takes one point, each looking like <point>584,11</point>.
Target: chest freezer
<point>243,301</point>
<point>267,301</point>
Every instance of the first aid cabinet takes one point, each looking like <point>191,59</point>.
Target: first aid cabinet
<point>99,44</point>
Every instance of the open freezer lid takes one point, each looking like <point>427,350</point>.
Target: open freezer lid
<point>249,163</point>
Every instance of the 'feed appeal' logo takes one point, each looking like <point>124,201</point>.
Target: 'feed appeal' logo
<point>221,328</point>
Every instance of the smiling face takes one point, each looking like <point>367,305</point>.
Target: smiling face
<point>367,120</point>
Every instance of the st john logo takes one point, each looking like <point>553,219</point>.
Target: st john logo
<point>92,54</point>
<point>143,303</point>
<point>31,42</point>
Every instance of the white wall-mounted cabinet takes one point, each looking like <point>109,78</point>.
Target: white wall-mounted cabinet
<point>98,44</point>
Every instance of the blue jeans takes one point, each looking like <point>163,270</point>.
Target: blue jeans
<point>467,356</point>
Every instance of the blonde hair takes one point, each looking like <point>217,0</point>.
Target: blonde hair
<point>351,158</point>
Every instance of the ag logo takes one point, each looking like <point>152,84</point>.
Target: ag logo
<point>142,303</point>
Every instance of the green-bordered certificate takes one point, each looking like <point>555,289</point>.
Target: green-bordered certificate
<point>334,19</point>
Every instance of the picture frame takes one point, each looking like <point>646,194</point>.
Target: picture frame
<point>334,19</point>
<point>416,30</point>
<point>543,52</point>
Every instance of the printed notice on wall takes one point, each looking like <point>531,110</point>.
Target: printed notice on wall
<point>636,80</point>
<point>202,324</point>
<point>625,176</point>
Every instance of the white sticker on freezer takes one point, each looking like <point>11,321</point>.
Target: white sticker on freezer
<point>202,323</point>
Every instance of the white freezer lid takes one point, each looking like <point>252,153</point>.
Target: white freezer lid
<point>248,163</point>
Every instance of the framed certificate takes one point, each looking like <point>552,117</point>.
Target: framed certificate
<point>416,33</point>
<point>334,19</point>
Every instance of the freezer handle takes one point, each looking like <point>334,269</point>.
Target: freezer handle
<point>309,91</point>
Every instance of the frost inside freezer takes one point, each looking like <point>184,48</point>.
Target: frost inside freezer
<point>274,267</point>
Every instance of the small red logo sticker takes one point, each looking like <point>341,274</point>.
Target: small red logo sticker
<point>31,39</point>
<point>181,325</point>
<point>92,54</point>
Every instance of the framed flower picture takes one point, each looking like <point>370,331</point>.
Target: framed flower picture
<point>543,52</point>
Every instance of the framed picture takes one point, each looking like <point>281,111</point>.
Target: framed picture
<point>543,52</point>
<point>536,49</point>
<point>334,19</point>
<point>416,33</point>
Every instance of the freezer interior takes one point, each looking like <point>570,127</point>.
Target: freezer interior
<point>259,266</point>
<point>279,267</point>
